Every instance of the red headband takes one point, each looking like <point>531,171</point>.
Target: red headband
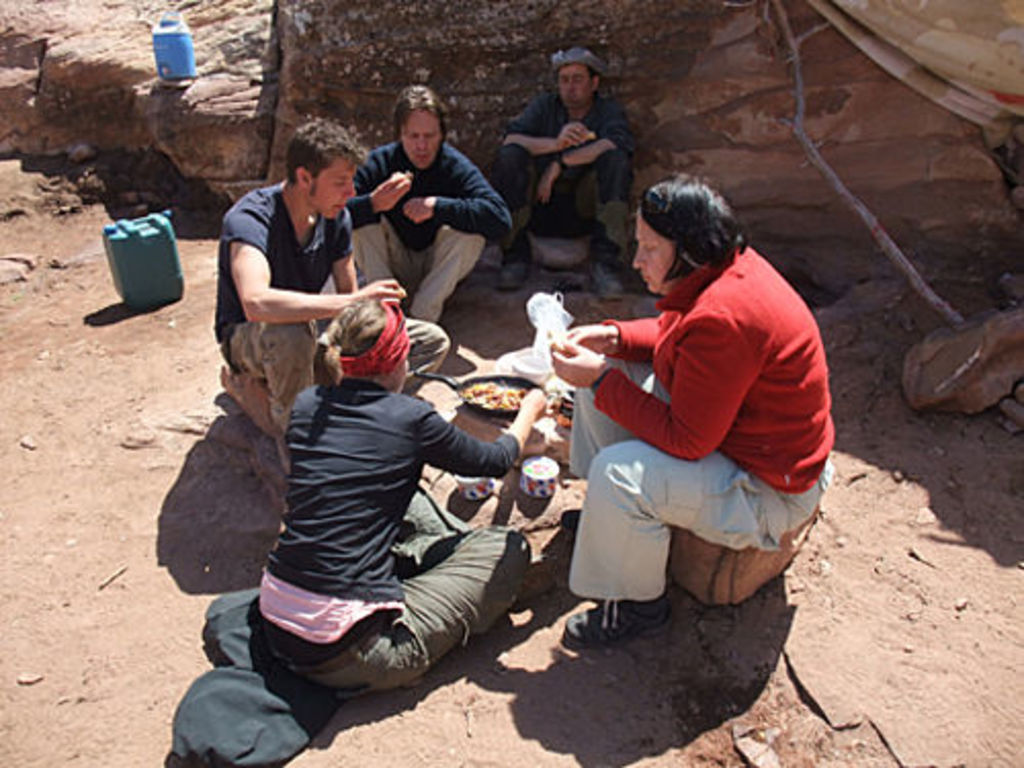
<point>384,356</point>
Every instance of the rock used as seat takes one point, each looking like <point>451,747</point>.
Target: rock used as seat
<point>718,575</point>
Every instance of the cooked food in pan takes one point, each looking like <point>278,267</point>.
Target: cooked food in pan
<point>490,394</point>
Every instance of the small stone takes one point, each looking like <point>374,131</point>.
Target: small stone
<point>908,648</point>
<point>28,443</point>
<point>29,260</point>
<point>841,541</point>
<point>961,604</point>
<point>29,678</point>
<point>139,439</point>
<point>1017,198</point>
<point>898,476</point>
<point>12,272</point>
<point>755,744</point>
<point>925,516</point>
<point>1012,410</point>
<point>1010,426</point>
<point>1012,285</point>
<point>81,153</point>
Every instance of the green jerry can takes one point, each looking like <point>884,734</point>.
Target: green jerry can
<point>143,259</point>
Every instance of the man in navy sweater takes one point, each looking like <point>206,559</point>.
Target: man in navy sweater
<point>422,211</point>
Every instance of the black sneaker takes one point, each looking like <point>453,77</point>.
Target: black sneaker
<point>613,621</point>
<point>513,275</point>
<point>570,520</point>
<point>606,281</point>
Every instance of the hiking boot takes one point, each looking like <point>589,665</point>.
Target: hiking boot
<point>513,275</point>
<point>606,281</point>
<point>613,621</point>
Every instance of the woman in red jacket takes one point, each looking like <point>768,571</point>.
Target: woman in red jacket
<point>712,416</point>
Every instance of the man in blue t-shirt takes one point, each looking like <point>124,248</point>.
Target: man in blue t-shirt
<point>278,247</point>
<point>565,169</point>
<point>422,211</point>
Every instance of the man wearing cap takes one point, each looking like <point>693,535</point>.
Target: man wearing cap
<point>278,247</point>
<point>422,211</point>
<point>565,169</point>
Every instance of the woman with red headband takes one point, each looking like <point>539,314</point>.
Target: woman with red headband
<point>371,582</point>
<point>712,416</point>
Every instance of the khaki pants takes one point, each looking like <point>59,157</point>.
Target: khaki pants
<point>428,276</point>
<point>635,492</point>
<point>282,354</point>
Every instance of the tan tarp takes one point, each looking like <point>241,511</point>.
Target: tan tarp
<point>967,55</point>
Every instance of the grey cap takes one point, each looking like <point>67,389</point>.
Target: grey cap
<point>577,55</point>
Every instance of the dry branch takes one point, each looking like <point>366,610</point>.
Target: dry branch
<point>889,248</point>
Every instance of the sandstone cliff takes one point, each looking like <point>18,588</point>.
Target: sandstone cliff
<point>705,83</point>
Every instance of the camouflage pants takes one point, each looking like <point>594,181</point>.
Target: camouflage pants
<point>592,199</point>
<point>282,355</point>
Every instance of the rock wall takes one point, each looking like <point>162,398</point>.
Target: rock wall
<point>706,86</point>
<point>707,90</point>
<point>74,72</point>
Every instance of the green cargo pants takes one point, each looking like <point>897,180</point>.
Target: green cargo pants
<point>460,582</point>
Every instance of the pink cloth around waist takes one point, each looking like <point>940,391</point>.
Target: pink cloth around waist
<point>311,616</point>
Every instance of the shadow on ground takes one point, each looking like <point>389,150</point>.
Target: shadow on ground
<point>223,513</point>
<point>612,707</point>
<point>938,451</point>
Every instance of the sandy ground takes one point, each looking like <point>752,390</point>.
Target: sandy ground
<point>133,494</point>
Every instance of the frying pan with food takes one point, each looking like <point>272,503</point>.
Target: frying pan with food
<point>473,390</point>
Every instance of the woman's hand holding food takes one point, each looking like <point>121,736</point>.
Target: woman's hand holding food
<point>577,365</point>
<point>603,339</point>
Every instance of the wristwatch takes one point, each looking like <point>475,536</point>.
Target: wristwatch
<point>561,160</point>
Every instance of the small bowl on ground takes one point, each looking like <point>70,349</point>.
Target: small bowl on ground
<point>539,477</point>
<point>475,488</point>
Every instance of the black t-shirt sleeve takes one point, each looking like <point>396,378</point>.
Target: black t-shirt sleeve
<point>447,447</point>
<point>340,246</point>
<point>247,224</point>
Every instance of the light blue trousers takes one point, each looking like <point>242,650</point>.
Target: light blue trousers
<point>635,492</point>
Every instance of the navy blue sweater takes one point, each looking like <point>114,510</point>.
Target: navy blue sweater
<point>465,199</point>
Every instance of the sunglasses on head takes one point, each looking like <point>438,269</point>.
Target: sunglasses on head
<point>655,202</point>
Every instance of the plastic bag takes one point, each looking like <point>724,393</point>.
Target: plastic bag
<point>549,317</point>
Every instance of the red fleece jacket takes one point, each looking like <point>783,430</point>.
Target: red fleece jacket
<point>741,357</point>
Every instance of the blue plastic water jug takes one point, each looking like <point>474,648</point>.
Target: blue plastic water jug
<point>143,258</point>
<point>172,47</point>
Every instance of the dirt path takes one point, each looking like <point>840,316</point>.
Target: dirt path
<point>131,497</point>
